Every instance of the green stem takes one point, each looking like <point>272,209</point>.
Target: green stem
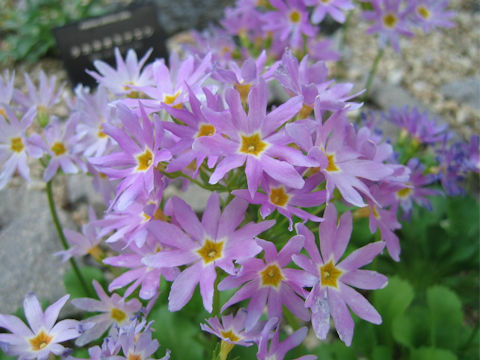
<point>61,235</point>
<point>346,25</point>
<point>216,297</point>
<point>372,73</point>
<point>179,174</point>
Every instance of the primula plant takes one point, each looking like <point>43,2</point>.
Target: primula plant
<point>306,199</point>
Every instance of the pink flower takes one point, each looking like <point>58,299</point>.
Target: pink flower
<point>254,140</point>
<point>140,152</point>
<point>128,73</point>
<point>43,336</point>
<point>343,167</point>
<point>113,310</point>
<point>270,347</point>
<point>204,246</point>
<point>15,147</point>
<point>269,282</point>
<point>331,277</point>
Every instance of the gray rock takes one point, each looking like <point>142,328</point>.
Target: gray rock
<point>28,239</point>
<point>195,196</point>
<point>181,15</point>
<point>386,95</point>
<point>80,189</point>
<point>464,90</point>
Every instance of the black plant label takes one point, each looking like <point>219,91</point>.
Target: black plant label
<point>83,42</point>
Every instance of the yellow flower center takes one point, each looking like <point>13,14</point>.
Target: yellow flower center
<point>96,252</point>
<point>3,113</point>
<point>118,315</point>
<point>211,251</point>
<point>329,274</point>
<point>295,16</point>
<point>423,12</point>
<point>278,196</point>
<point>244,90</point>
<point>144,160</point>
<point>58,148</point>
<point>252,145</point>
<point>100,132</point>
<point>16,144</point>
<point>305,111</point>
<point>390,20</point>
<point>271,276</point>
<point>404,193</point>
<point>206,130</point>
<point>331,167</point>
<point>134,357</point>
<point>230,335</point>
<point>170,99</point>
<point>40,341</point>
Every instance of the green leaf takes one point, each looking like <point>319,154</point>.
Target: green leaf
<point>4,356</point>
<point>334,351</point>
<point>381,353</point>
<point>178,334</point>
<point>445,317</point>
<point>391,302</point>
<point>412,329</point>
<point>74,286</point>
<point>432,354</point>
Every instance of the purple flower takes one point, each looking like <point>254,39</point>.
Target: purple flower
<point>140,152</point>
<point>90,113</point>
<point>197,125</point>
<point>384,216</point>
<point>286,201</point>
<point>331,292</point>
<point>246,76</point>
<point>473,157</point>
<point>321,50</point>
<point>137,344</point>
<point>277,350</point>
<point>130,225</point>
<point>43,98</point>
<point>83,243</point>
<point>171,83</point>
<point>269,282</point>
<point>114,311</point>
<point>341,165</point>
<point>301,79</point>
<point>430,14</point>
<point>212,40</point>
<point>128,73</point>
<point>204,246</point>
<point>332,7</point>
<point>15,146</point>
<point>140,274</point>
<point>416,126</point>
<point>6,90</point>
<point>451,160</point>
<point>243,19</point>
<point>289,22</point>
<point>416,190</point>
<point>232,329</point>
<point>390,21</point>
<point>43,336</point>
<point>59,145</point>
<point>253,139</point>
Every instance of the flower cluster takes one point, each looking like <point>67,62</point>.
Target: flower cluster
<point>287,182</point>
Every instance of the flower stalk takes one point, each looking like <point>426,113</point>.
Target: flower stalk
<point>372,73</point>
<point>61,235</point>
